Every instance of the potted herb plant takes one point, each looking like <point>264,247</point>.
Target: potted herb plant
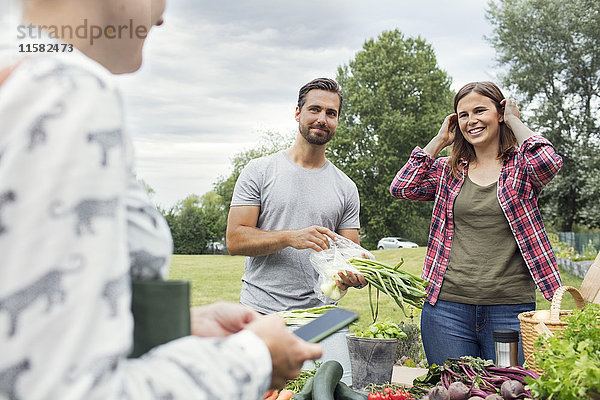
<point>373,353</point>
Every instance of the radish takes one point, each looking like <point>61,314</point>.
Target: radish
<point>438,393</point>
<point>458,391</point>
<point>512,390</point>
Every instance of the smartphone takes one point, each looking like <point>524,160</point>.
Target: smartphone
<point>328,323</point>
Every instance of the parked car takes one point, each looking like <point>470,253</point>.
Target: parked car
<point>216,248</point>
<point>395,243</point>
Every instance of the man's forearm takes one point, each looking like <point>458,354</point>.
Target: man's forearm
<point>254,242</point>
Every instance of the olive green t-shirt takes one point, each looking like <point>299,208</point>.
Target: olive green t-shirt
<point>485,266</point>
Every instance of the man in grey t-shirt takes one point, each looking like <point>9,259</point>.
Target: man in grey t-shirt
<point>286,205</point>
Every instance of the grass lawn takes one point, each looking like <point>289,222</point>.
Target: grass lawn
<point>218,277</point>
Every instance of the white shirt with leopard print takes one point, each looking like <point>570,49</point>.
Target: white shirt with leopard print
<point>73,224</point>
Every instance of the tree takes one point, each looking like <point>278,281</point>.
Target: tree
<point>149,189</point>
<point>195,221</point>
<point>551,49</point>
<point>214,216</point>
<point>395,98</point>
<point>187,226</point>
<point>271,142</point>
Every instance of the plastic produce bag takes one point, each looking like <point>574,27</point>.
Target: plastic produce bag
<point>329,262</point>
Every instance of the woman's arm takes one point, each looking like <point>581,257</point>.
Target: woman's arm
<point>537,161</point>
<point>444,138</point>
<point>419,177</point>
<point>512,118</point>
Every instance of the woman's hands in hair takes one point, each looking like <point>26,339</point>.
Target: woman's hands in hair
<point>511,110</point>
<point>445,136</point>
<point>512,118</point>
<point>448,130</point>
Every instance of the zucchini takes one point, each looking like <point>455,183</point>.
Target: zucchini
<point>343,392</point>
<point>326,379</point>
<point>306,392</point>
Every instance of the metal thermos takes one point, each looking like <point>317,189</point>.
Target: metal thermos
<point>506,343</point>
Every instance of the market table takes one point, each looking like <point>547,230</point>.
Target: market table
<point>405,375</point>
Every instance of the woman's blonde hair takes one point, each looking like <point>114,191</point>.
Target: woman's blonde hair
<point>462,150</point>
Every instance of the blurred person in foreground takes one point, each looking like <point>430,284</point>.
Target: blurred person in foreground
<point>76,227</point>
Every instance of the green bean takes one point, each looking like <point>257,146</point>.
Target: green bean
<point>400,285</point>
<point>301,317</point>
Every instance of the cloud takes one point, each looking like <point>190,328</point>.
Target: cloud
<point>217,74</point>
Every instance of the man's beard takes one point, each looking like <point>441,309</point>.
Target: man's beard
<point>314,139</point>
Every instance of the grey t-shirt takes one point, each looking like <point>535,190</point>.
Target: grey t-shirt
<point>291,197</point>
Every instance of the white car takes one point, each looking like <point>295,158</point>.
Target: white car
<point>215,248</point>
<point>395,243</point>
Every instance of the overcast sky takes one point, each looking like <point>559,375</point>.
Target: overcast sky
<point>217,75</point>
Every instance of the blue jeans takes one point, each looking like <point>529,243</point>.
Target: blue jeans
<point>451,330</point>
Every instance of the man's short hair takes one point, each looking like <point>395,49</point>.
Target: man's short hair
<point>321,84</point>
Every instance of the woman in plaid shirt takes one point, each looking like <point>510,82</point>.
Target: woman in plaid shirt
<point>488,249</point>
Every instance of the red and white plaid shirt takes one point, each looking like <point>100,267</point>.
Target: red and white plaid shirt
<point>524,174</point>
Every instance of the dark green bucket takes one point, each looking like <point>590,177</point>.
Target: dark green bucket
<point>372,360</point>
<point>161,313</point>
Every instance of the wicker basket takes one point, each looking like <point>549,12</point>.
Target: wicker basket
<point>552,320</point>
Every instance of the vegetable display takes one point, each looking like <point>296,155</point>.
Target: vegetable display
<point>389,393</point>
<point>282,394</point>
<point>300,383</point>
<point>330,289</point>
<point>512,390</point>
<point>326,385</point>
<point>306,392</point>
<point>400,285</point>
<point>304,316</point>
<point>438,393</point>
<point>382,329</point>
<point>458,390</point>
<point>343,392</point>
<point>571,360</point>
<point>325,380</point>
<point>477,377</point>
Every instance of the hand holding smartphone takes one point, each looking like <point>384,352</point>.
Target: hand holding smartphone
<point>328,323</point>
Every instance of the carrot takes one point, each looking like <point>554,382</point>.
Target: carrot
<point>271,395</point>
<point>285,394</point>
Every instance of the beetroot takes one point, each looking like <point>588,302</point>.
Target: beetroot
<point>512,390</point>
<point>459,391</point>
<point>438,393</point>
<point>475,398</point>
<point>494,396</point>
